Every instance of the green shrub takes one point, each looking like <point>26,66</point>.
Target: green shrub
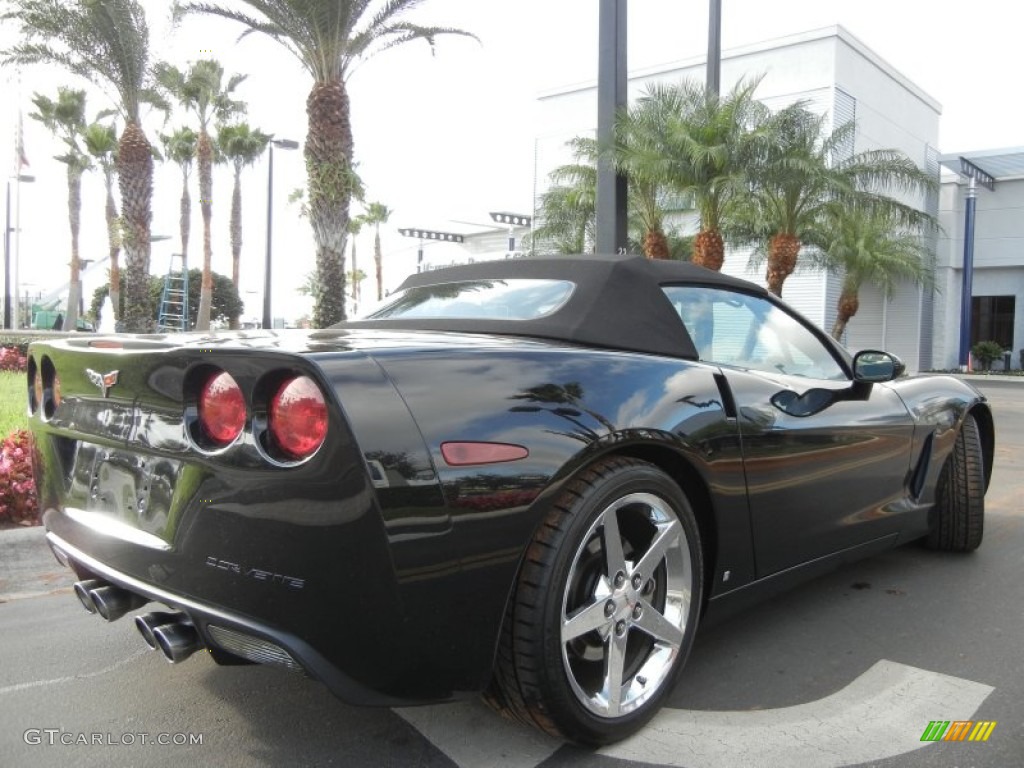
<point>987,352</point>
<point>15,340</point>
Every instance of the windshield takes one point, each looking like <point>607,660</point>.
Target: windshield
<point>477,300</point>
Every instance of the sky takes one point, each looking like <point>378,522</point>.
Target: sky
<point>443,139</point>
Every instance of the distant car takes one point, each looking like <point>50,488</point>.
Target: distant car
<point>529,478</point>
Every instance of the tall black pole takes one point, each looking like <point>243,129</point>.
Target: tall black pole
<point>270,234</point>
<point>7,263</point>
<point>714,65</point>
<point>611,98</point>
<point>967,287</point>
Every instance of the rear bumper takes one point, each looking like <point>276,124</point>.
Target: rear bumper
<point>294,653</point>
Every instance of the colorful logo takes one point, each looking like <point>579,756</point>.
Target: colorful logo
<point>958,730</point>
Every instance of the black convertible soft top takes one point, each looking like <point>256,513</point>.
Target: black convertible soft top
<point>618,302</point>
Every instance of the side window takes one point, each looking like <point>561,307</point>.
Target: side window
<point>737,329</point>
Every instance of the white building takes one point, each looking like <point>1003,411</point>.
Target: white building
<point>998,274</point>
<point>839,76</point>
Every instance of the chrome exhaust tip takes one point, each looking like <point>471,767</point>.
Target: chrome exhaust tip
<point>177,641</point>
<point>147,622</point>
<point>83,590</point>
<point>113,602</point>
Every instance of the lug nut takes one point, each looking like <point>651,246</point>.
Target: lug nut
<point>637,581</point>
<point>620,628</point>
<point>620,579</point>
<point>637,611</point>
<point>609,608</point>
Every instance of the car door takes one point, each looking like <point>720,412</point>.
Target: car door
<point>826,459</point>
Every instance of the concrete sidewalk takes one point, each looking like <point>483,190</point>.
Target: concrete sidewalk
<point>27,566</point>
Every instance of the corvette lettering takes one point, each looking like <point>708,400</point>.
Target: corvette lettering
<point>258,574</point>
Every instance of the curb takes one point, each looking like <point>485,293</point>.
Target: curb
<point>28,567</point>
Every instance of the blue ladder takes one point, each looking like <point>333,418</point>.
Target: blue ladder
<point>173,317</point>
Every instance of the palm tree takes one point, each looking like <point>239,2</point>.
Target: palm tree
<point>201,91</point>
<point>870,247</point>
<point>640,152</point>
<point>355,277</point>
<point>567,212</point>
<point>798,174</point>
<point>101,143</point>
<point>108,44</point>
<point>180,149</point>
<point>241,146</point>
<point>565,220</point>
<point>708,142</point>
<point>329,37</point>
<point>377,214</point>
<point>65,118</point>
<point>355,226</point>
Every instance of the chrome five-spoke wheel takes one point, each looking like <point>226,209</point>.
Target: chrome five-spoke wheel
<point>626,604</point>
<point>605,606</point>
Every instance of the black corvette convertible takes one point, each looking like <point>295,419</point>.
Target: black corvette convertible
<point>530,478</point>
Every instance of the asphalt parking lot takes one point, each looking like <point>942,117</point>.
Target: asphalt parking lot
<point>847,670</point>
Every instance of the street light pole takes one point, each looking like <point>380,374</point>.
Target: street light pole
<point>7,262</point>
<point>714,63</point>
<point>11,285</point>
<point>611,230</point>
<point>281,144</point>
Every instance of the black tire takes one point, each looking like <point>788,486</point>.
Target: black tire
<point>957,520</point>
<point>638,633</point>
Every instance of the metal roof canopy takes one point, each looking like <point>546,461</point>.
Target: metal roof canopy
<point>986,166</point>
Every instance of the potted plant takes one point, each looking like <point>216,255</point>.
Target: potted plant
<point>985,352</point>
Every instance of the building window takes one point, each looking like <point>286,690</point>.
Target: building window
<point>992,319</point>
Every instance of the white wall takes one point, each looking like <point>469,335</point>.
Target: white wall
<point>998,260</point>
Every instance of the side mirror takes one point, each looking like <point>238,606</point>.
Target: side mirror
<point>872,366</point>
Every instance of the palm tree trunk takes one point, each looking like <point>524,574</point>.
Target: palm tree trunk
<point>328,153</point>
<point>378,262</point>
<point>204,154</point>
<point>783,249</point>
<point>75,220</point>
<point>656,245</point>
<point>709,249</point>
<point>135,179</point>
<point>849,303</point>
<point>236,231</point>
<point>185,220</point>
<point>114,240</point>
<point>355,272</point>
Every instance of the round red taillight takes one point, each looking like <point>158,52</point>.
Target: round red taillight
<point>298,417</point>
<point>221,408</point>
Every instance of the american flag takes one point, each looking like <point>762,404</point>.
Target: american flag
<point>20,159</point>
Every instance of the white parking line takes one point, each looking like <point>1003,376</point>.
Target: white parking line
<point>880,714</point>
<point>475,736</point>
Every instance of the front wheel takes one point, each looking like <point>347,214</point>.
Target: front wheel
<point>605,607</point>
<point>957,520</point>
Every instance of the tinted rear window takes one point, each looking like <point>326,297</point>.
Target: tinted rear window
<point>511,299</point>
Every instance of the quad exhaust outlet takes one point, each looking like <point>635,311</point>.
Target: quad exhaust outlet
<point>170,633</point>
<point>108,601</point>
